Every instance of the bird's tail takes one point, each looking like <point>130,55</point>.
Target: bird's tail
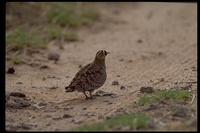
<point>69,89</point>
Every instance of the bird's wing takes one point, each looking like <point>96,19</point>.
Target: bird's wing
<point>91,75</point>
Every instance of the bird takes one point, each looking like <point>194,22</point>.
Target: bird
<point>90,77</point>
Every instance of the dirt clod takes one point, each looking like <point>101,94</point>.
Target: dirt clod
<point>67,116</point>
<point>11,70</point>
<point>17,94</point>
<point>115,82</point>
<point>147,89</point>
<point>122,87</point>
<point>53,56</point>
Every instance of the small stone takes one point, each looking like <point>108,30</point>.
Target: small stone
<point>19,83</point>
<point>146,89</point>
<point>84,108</point>
<point>114,95</point>
<point>77,121</point>
<point>56,117</point>
<point>41,102</point>
<point>11,70</point>
<point>121,59</point>
<point>31,124</point>
<point>17,94</point>
<point>122,87</point>
<point>14,105</point>
<point>115,82</point>
<point>151,107</point>
<point>139,41</point>
<point>67,107</point>
<point>53,87</point>
<point>181,111</point>
<point>120,110</point>
<point>49,110</point>
<point>53,56</point>
<point>35,106</point>
<point>100,117</point>
<point>118,76</point>
<point>25,103</point>
<point>24,126</point>
<point>91,114</point>
<point>83,114</point>
<point>187,87</point>
<point>67,116</point>
<point>107,101</point>
<point>161,80</point>
<point>44,67</point>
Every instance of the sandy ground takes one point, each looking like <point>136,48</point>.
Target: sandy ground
<point>147,41</point>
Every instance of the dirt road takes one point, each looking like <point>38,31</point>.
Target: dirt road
<point>147,41</point>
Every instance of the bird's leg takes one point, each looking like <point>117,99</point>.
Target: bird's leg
<point>91,97</point>
<point>86,97</point>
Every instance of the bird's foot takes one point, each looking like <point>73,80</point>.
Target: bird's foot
<point>89,98</point>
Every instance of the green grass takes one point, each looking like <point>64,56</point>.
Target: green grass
<point>58,33</point>
<point>21,37</point>
<point>14,59</point>
<point>133,120</point>
<point>163,95</point>
<point>57,22</point>
<point>69,14</point>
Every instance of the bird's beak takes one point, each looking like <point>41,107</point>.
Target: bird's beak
<point>107,52</point>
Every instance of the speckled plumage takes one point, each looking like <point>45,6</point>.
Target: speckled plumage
<point>91,76</point>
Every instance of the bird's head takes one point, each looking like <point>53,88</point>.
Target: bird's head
<point>100,55</point>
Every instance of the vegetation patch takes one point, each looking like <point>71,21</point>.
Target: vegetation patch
<point>159,95</point>
<point>132,120</point>
<point>32,24</point>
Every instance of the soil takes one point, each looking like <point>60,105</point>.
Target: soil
<point>151,44</point>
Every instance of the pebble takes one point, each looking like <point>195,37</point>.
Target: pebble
<point>115,82</point>
<point>122,87</point>
<point>67,107</point>
<point>19,83</point>
<point>77,121</point>
<point>151,107</point>
<point>56,117</point>
<point>25,103</point>
<point>181,111</point>
<point>41,102</point>
<point>49,110</point>
<point>31,124</point>
<point>84,108</point>
<point>44,67</point>
<point>146,89</point>
<point>17,94</point>
<point>187,87</point>
<point>120,110</point>
<point>100,117</point>
<point>53,56</point>
<point>11,70</point>
<point>67,116</point>
<point>13,105</point>
<point>34,106</point>
<point>107,101</point>
<point>83,114</point>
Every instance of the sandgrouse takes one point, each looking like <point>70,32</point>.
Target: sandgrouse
<point>91,76</point>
